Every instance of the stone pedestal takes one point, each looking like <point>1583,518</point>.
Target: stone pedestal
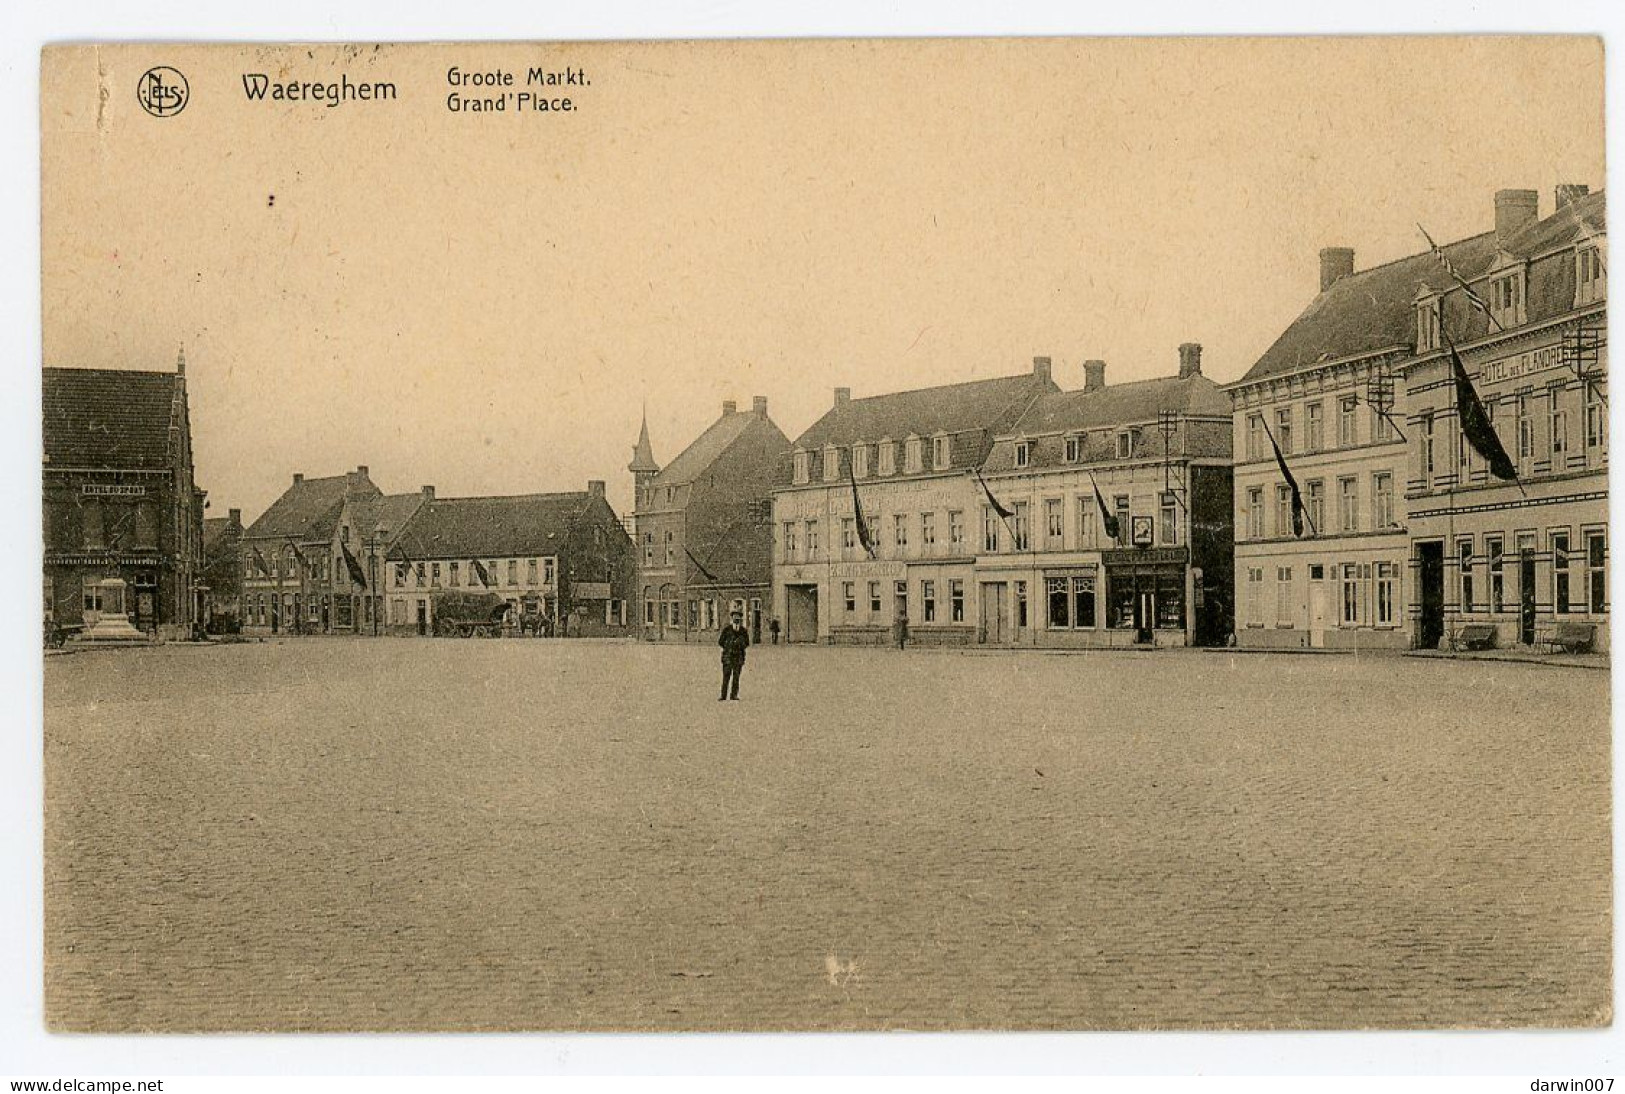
<point>114,624</point>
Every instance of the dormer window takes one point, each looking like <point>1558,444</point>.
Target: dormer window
<point>1591,279</point>
<point>1125,444</point>
<point>939,451</point>
<point>1506,299</point>
<point>860,461</point>
<point>1024,453</point>
<point>1074,449</point>
<point>803,465</point>
<point>1427,325</point>
<point>888,456</point>
<point>832,463</point>
<point>913,456</point>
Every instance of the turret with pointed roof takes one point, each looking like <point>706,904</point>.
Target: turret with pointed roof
<point>643,465</point>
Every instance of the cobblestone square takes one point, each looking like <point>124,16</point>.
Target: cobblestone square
<point>441,834</point>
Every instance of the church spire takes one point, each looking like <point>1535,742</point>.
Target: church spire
<point>180,361</point>
<point>643,456</point>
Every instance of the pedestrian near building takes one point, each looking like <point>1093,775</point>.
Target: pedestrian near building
<point>899,628</point>
<point>734,640</point>
<point>773,629</point>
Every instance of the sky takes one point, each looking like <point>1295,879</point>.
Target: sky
<point>488,302</point>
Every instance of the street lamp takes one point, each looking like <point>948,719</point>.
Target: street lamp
<point>379,534</point>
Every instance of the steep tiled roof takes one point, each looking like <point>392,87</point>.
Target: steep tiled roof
<point>1124,404</point>
<point>309,509</point>
<point>1374,309</point>
<point>978,404</point>
<point>693,461</point>
<point>394,510</point>
<point>1369,310</point>
<point>108,418</point>
<point>214,533</point>
<point>497,527</point>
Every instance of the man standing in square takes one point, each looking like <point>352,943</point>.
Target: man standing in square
<point>734,640</point>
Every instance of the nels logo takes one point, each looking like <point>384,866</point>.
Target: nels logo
<point>163,92</point>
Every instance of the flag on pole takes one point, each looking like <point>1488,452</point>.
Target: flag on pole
<point>1004,514</point>
<point>864,537</point>
<point>1461,282</point>
<point>260,564</point>
<point>1298,511</point>
<point>709,576</point>
<point>351,563</point>
<point>1108,520</point>
<point>1475,421</point>
<point>480,572</point>
<point>297,553</point>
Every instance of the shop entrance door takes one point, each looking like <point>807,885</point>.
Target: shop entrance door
<point>1317,607</point>
<point>1526,596</point>
<point>1145,611</point>
<point>1430,624</point>
<point>993,613</point>
<point>801,613</point>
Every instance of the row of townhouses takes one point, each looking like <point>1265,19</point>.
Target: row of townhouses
<point>1004,511</point>
<point>986,504</point>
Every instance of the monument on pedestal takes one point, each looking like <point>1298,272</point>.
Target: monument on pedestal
<point>114,624</point>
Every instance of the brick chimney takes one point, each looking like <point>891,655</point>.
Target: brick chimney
<point>1570,192</point>
<point>843,395</point>
<point>361,469</point>
<point>428,493</point>
<point>1190,360</point>
<point>1094,375</point>
<point>595,487</point>
<point>1514,209</point>
<point>1335,262</point>
<point>1041,369</point>
<point>729,406</point>
<point>234,517</point>
<point>298,477</point>
<point>758,405</point>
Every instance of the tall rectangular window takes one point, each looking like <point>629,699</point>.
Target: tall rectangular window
<point>849,597</point>
<point>1596,416</point>
<point>533,572</point>
<point>1382,500</point>
<point>1590,277</point>
<point>913,450</point>
<point>928,601</point>
<point>956,530</point>
<point>1283,596</point>
<point>928,532</point>
<point>860,461</point>
<point>1021,522</point>
<point>1425,441</point>
<point>1283,510</point>
<point>1054,524</point>
<point>1083,601</point>
<point>1494,553</point>
<point>1074,449</point>
<point>1283,429</point>
<point>1255,437</point>
<point>1526,428</point>
<point>1387,583</point>
<point>454,577</point>
<point>899,531</point>
<point>956,601</point>
<point>849,535</point>
<point>1255,512</point>
<point>1314,503</point>
<point>1348,421</point>
<point>1348,504</point>
<point>874,600</point>
<point>1169,533</point>
<point>1056,588</point>
<point>887,456</point>
<point>1086,520</point>
<point>812,539</point>
<point>1314,430</point>
<point>1559,425</point>
<point>939,452</point>
<point>1560,572</point>
<point>790,546</point>
<point>1464,551</point>
<point>1255,596</point>
<point>990,529</point>
<point>1351,594</point>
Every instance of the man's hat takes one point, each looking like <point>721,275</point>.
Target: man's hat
<point>737,614</point>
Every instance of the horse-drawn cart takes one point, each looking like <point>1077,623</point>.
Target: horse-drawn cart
<point>469,615</point>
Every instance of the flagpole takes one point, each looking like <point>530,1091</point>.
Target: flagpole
<point>1314,532</point>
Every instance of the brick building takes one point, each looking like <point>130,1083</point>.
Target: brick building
<point>912,456</point>
<point>703,529</point>
<point>1159,453</point>
<point>287,554</point>
<point>564,555</point>
<point>123,517</point>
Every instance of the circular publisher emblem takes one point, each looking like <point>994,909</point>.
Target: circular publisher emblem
<point>162,92</point>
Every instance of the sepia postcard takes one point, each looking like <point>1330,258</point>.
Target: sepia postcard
<point>826,535</point>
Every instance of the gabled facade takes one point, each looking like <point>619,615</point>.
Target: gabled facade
<point>913,456</point>
<point>1159,453</point>
<point>562,559</point>
<point>221,577</point>
<point>1525,557</point>
<point>123,517</point>
<point>288,566</point>
<point>702,526</point>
